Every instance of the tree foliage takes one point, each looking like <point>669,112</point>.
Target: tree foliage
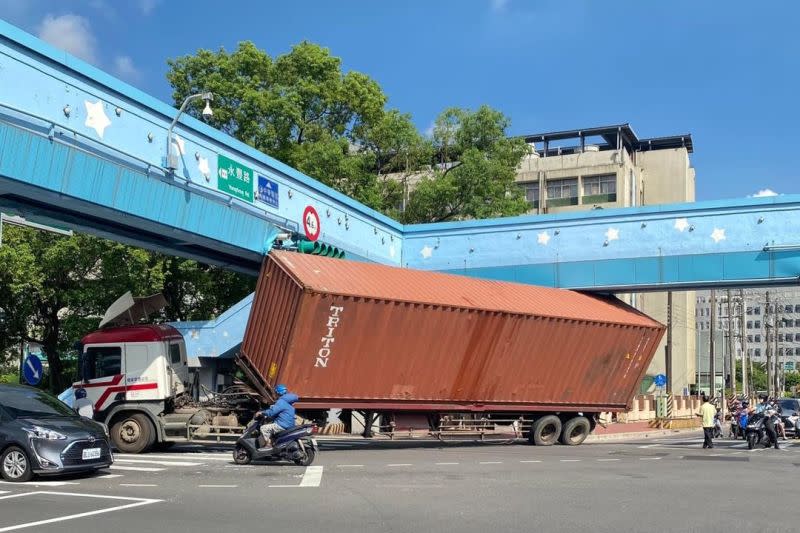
<point>55,289</point>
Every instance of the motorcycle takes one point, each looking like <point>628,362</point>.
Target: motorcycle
<point>293,444</point>
<point>756,432</point>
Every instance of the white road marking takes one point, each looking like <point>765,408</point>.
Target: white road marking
<point>160,463</point>
<point>109,476</point>
<point>443,464</point>
<point>312,477</point>
<point>650,446</point>
<point>178,456</point>
<point>350,466</point>
<point>649,458</point>
<point>137,485</point>
<point>217,486</point>
<point>570,460</point>
<point>608,459</point>
<point>138,502</point>
<point>533,461</point>
<point>42,483</point>
<point>491,462</point>
<point>4,491</point>
<point>136,468</point>
<point>400,464</point>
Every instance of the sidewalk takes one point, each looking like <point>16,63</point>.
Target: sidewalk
<point>633,430</point>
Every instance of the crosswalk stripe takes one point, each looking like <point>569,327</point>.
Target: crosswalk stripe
<point>136,468</point>
<point>154,462</point>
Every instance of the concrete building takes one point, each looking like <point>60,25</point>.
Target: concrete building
<point>774,328</point>
<point>607,167</point>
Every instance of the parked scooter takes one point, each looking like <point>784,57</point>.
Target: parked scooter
<point>293,444</point>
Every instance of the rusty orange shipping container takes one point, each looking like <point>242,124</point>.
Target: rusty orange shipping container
<point>365,336</point>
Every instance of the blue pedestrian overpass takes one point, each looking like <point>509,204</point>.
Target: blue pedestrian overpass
<point>83,149</point>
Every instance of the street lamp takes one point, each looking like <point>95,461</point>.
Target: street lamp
<point>172,161</point>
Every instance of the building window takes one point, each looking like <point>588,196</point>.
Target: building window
<point>749,324</point>
<point>757,324</point>
<point>757,311</point>
<point>758,338</point>
<point>532,194</point>
<point>562,192</point>
<point>787,309</point>
<point>780,337</point>
<point>757,352</point>
<point>599,189</point>
<point>797,308</point>
<point>749,310</point>
<point>749,338</point>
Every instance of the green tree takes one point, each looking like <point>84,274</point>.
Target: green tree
<point>476,163</point>
<point>300,108</point>
<point>56,288</point>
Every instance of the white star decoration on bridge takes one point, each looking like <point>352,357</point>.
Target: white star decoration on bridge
<point>718,234</point>
<point>426,252</point>
<point>612,234</point>
<point>202,166</point>
<point>543,238</point>
<point>96,117</point>
<point>681,224</point>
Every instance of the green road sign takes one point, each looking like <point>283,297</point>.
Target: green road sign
<point>234,178</point>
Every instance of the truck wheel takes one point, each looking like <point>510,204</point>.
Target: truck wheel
<point>133,433</point>
<point>545,430</point>
<point>575,431</point>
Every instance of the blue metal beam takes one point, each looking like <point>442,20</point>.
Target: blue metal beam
<point>80,147</point>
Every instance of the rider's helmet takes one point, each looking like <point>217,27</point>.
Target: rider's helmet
<point>80,393</point>
<point>281,389</point>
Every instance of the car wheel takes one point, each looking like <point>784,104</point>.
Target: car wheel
<point>15,465</point>
<point>133,433</point>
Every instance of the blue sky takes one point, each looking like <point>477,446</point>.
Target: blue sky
<point>726,72</point>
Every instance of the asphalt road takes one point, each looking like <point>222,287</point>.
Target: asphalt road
<point>667,484</point>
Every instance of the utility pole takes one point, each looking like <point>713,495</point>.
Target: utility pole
<point>743,338</point>
<point>712,355</point>
<point>731,354</point>
<point>668,347</point>
<point>770,370</point>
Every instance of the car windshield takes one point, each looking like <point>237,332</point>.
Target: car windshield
<point>32,403</point>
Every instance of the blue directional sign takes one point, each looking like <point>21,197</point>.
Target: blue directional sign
<point>32,370</point>
<point>267,191</point>
<point>660,380</point>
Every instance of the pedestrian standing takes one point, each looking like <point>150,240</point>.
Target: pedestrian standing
<point>707,413</point>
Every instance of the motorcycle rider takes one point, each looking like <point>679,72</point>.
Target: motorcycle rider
<point>770,413</point>
<point>83,405</point>
<point>282,414</point>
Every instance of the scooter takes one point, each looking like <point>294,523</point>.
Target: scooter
<point>293,444</point>
<point>756,431</point>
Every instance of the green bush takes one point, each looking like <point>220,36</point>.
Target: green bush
<point>9,378</point>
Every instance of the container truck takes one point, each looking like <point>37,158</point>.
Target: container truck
<point>404,351</point>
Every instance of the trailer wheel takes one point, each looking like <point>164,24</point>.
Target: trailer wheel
<point>133,433</point>
<point>545,430</point>
<point>575,431</point>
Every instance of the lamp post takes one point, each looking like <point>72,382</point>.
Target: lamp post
<point>172,161</point>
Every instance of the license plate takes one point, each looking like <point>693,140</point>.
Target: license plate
<point>91,453</point>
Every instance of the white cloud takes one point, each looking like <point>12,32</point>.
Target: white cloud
<point>765,192</point>
<point>70,33</point>
<point>147,6</point>
<point>125,69</point>
<point>499,5</point>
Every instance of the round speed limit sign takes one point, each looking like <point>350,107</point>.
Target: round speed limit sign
<point>311,224</point>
